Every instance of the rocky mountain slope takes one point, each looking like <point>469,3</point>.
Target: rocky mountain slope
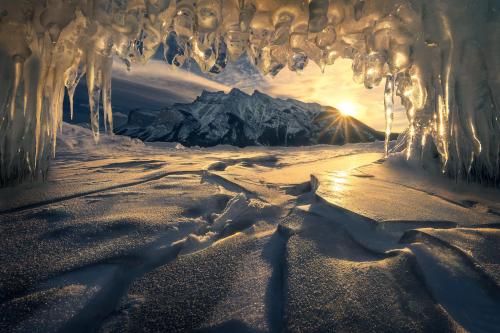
<point>242,120</point>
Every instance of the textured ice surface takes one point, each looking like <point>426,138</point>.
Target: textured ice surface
<point>439,56</point>
<point>153,238</point>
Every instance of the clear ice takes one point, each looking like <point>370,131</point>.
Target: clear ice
<point>440,57</point>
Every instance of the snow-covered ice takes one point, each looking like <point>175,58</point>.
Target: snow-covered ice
<point>159,237</point>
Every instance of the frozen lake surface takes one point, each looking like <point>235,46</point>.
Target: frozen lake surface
<point>127,237</point>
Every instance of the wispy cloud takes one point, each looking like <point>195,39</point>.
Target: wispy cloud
<point>331,88</point>
<point>157,74</point>
<point>334,87</point>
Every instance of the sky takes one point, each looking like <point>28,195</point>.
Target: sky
<point>334,88</point>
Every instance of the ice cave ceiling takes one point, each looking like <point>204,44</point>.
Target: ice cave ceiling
<point>440,57</point>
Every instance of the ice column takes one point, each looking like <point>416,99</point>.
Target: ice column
<point>389,110</point>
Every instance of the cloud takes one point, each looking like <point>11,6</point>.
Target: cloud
<point>157,74</point>
<point>331,88</point>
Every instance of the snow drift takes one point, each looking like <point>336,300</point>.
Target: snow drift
<point>439,56</point>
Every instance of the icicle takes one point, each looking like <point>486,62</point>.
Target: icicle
<point>389,110</point>
<point>106,95</point>
<point>442,130</point>
<point>411,132</point>
<point>72,78</point>
<point>94,85</point>
<point>46,46</point>
<point>18,73</point>
<point>56,112</point>
<point>45,53</point>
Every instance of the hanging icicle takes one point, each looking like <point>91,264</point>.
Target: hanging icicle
<point>448,60</point>
<point>389,110</point>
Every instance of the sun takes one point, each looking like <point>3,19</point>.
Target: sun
<point>347,108</point>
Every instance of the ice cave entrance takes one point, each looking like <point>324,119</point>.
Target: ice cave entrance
<point>439,57</point>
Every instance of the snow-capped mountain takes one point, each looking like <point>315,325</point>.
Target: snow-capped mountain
<point>243,120</point>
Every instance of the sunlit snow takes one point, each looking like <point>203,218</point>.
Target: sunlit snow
<point>133,237</point>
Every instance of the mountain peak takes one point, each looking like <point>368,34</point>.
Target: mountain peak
<point>209,96</point>
<point>237,92</point>
<point>239,119</point>
<point>256,92</point>
<point>206,93</point>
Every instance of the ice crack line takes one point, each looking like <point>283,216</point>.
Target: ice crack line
<point>85,193</point>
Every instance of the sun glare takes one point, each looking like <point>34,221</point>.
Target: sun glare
<point>347,108</point>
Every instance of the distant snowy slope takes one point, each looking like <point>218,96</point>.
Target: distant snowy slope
<point>244,120</point>
<point>151,86</point>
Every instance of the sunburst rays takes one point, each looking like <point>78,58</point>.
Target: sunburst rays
<point>343,127</point>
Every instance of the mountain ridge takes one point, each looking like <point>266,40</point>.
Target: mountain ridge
<point>242,119</point>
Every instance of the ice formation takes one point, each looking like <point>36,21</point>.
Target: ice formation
<point>440,57</point>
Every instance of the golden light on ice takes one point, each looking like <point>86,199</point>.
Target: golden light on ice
<point>339,181</point>
<point>347,108</point>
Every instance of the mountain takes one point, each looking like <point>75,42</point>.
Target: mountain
<point>127,95</point>
<point>243,120</point>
